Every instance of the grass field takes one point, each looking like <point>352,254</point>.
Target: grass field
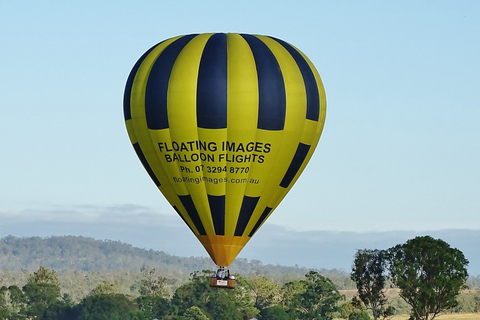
<point>454,316</point>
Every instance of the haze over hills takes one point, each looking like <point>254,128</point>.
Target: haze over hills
<point>271,245</point>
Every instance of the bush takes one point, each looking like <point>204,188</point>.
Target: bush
<point>359,315</point>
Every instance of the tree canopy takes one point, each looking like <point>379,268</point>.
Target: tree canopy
<point>318,300</point>
<point>430,275</point>
<point>370,275</point>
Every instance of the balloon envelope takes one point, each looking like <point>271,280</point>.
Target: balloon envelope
<point>224,124</point>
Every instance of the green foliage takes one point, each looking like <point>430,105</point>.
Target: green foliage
<point>265,292</point>
<point>44,275</point>
<point>147,293</point>
<point>345,309</point>
<point>370,275</point>
<point>106,307</point>
<point>290,291</point>
<point>274,313</point>
<point>60,310</point>
<point>359,315</point>
<point>194,293</point>
<point>195,313</point>
<point>39,297</point>
<point>220,304</point>
<point>430,275</point>
<point>12,302</point>
<point>154,306</point>
<point>41,291</point>
<point>106,287</point>
<point>319,299</point>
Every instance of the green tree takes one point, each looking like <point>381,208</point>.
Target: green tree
<point>12,303</point>
<point>319,300</point>
<point>40,296</point>
<point>217,303</point>
<point>370,273</point>
<point>265,292</point>
<point>196,292</point>
<point>4,303</point>
<point>274,313</point>
<point>195,313</point>
<point>44,275</point>
<point>60,310</point>
<point>154,306</point>
<point>106,287</point>
<point>290,291</point>
<point>42,289</point>
<point>430,275</point>
<point>359,315</point>
<point>106,307</point>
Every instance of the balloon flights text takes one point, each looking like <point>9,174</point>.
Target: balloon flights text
<point>211,152</point>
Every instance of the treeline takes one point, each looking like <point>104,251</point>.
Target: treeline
<point>74,257</point>
<point>151,295</point>
<point>82,278</point>
<point>42,297</point>
<point>84,260</point>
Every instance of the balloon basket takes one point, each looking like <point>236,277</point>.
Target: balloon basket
<point>222,279</point>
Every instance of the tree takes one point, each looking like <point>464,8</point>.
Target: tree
<point>152,284</point>
<point>154,306</point>
<point>265,292</point>
<point>369,272</point>
<point>274,313</point>
<point>44,275</point>
<point>220,304</point>
<point>430,275</point>
<point>106,287</point>
<point>290,291</point>
<point>359,315</point>
<point>318,301</point>
<point>12,303</point>
<point>196,292</point>
<point>195,313</point>
<point>41,290</point>
<point>106,307</point>
<point>61,310</point>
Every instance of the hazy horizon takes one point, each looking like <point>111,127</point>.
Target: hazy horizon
<point>272,244</point>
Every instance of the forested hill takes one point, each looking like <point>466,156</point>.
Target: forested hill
<point>87,254</point>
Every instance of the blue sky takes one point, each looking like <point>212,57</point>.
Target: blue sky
<point>401,144</point>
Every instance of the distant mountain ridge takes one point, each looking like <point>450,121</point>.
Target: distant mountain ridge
<point>272,244</point>
<point>78,253</point>
<point>83,253</point>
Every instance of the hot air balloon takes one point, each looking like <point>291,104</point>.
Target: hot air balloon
<point>224,124</point>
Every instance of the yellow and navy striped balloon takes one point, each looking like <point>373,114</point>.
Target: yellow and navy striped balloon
<point>224,124</point>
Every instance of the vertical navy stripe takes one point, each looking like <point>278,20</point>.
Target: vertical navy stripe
<point>128,86</point>
<point>260,221</point>
<point>298,159</point>
<point>212,84</point>
<point>246,211</point>
<point>217,208</point>
<point>157,85</point>
<point>178,211</point>
<point>311,87</point>
<point>271,87</point>
<point>145,164</point>
<point>193,213</point>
